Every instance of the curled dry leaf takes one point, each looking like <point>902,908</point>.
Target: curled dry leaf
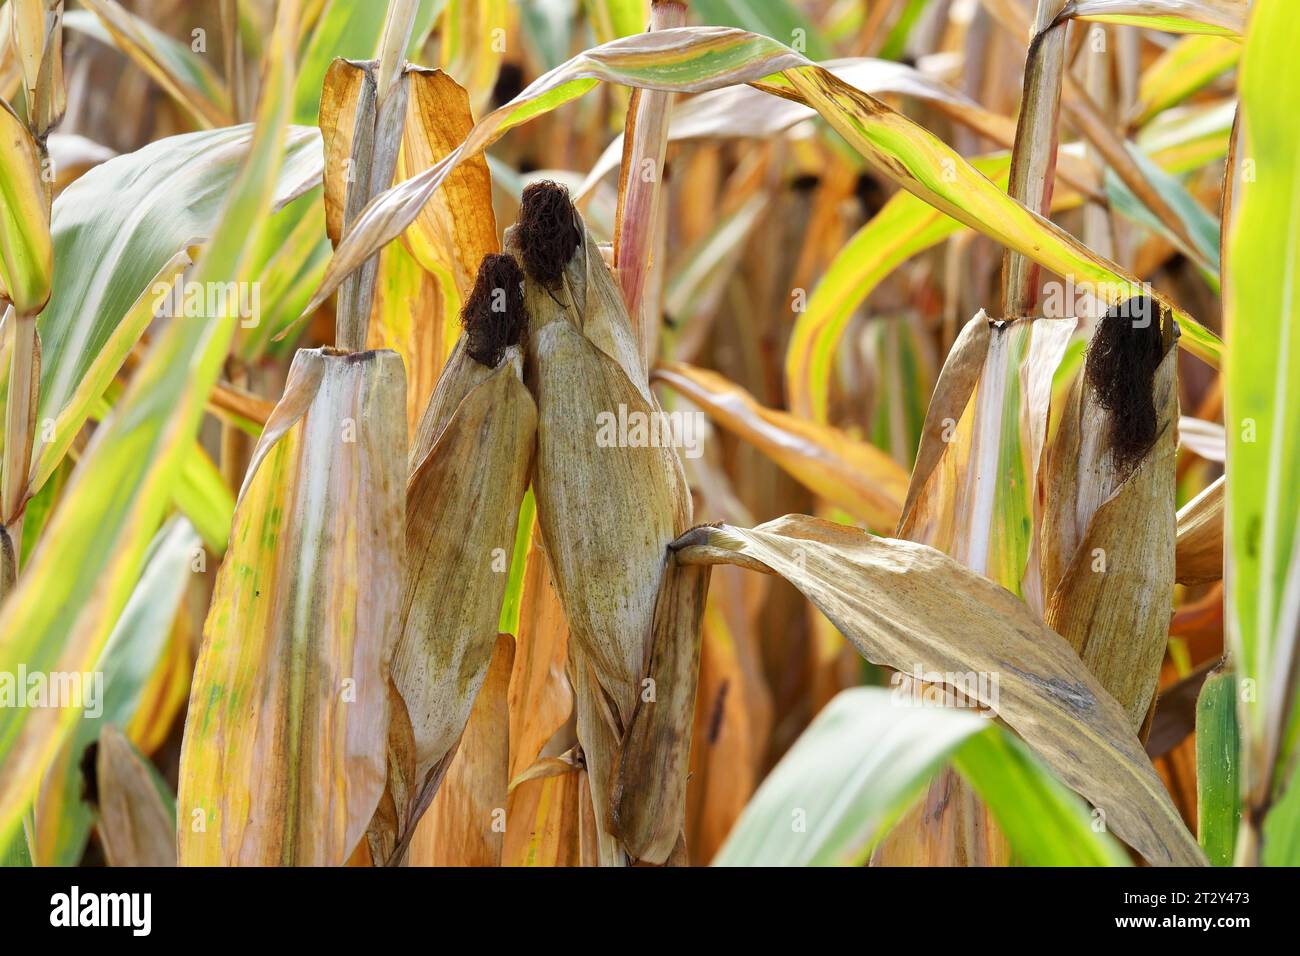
<point>857,476</point>
<point>136,826</point>
<point>1198,553</point>
<point>423,282</point>
<point>905,605</point>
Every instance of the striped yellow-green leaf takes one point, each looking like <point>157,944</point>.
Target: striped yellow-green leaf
<point>117,233</point>
<point>741,111</point>
<point>867,756</point>
<point>283,760</point>
<point>909,607</point>
<point>26,256</point>
<point>1262,317</point>
<point>128,663</point>
<point>1216,17</point>
<point>82,571</point>
<point>1182,70</point>
<point>104,366</point>
<point>699,59</point>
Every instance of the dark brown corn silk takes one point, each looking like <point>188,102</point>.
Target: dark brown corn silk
<point>493,316</point>
<point>1125,353</point>
<point>548,235</point>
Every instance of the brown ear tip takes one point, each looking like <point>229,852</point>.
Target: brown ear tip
<point>493,316</point>
<point>548,230</point>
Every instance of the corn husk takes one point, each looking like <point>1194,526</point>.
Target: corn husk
<point>1108,540</point>
<point>466,822</point>
<point>283,759</point>
<point>462,508</point>
<point>607,514</point>
<point>468,473</point>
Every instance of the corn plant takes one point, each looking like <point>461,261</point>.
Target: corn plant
<point>641,432</point>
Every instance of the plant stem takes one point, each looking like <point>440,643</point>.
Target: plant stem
<point>18,421</point>
<point>377,134</point>
<point>645,142</point>
<point>1033,160</point>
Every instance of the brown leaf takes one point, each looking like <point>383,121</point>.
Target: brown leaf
<point>905,605</point>
<point>136,828</point>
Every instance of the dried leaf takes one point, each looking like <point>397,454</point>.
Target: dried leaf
<point>136,827</point>
<point>1198,555</point>
<point>907,606</point>
<point>857,476</point>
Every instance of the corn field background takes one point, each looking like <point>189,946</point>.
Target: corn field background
<point>611,432</point>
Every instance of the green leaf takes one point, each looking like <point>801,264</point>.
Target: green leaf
<point>868,755</point>
<point>115,229</point>
<point>1262,390</point>
<point>82,572</point>
<point>25,257</point>
<point>778,19</point>
<point>129,659</point>
<point>1218,770</point>
<point>514,595</point>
